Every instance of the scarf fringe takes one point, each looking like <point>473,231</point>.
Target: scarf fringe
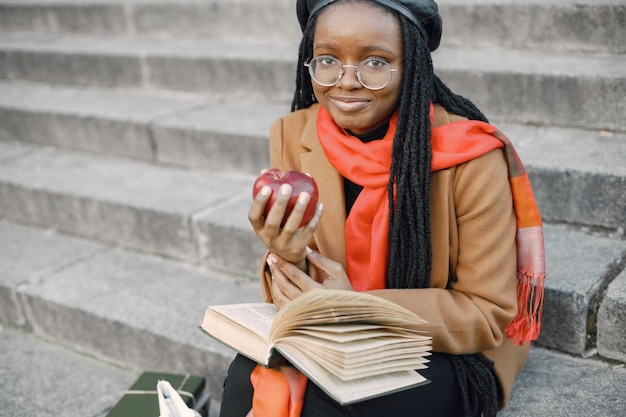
<point>526,326</point>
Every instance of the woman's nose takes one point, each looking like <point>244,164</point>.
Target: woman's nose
<point>349,79</point>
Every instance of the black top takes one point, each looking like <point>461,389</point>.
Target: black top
<point>352,190</point>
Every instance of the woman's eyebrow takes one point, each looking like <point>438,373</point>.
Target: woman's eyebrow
<point>367,48</point>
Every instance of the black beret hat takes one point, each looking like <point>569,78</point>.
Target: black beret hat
<point>423,13</point>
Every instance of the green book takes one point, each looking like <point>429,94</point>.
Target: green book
<point>141,398</point>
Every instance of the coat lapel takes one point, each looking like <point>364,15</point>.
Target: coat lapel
<point>329,236</point>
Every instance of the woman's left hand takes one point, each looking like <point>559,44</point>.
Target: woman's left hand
<point>289,282</point>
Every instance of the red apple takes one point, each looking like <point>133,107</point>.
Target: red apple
<point>299,182</point>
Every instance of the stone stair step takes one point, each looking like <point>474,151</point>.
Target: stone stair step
<point>597,26</point>
<point>127,308</point>
<point>83,295</point>
<point>573,25</point>
<point>43,379</point>
<point>580,265</point>
<point>190,131</point>
<point>557,385</point>
<point>518,86</point>
<point>586,91</point>
<point>578,176</point>
<point>187,215</point>
<point>180,64</point>
<point>611,326</point>
<point>63,17</point>
<point>211,18</point>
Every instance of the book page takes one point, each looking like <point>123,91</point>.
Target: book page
<point>257,317</point>
<point>244,327</point>
<point>337,306</point>
<point>345,332</point>
<point>347,367</point>
<point>359,389</point>
<point>371,349</point>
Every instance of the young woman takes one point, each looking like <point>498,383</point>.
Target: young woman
<point>418,208</point>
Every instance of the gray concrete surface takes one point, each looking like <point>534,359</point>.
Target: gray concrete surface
<point>196,132</point>
<point>583,26</point>
<point>611,330</point>
<point>579,267</point>
<point>43,379</point>
<point>557,385</point>
<point>534,87</point>
<point>143,311</point>
<point>76,193</point>
<point>127,307</point>
<point>590,26</point>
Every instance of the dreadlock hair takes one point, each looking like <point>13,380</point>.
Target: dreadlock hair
<point>304,96</point>
<point>410,249</point>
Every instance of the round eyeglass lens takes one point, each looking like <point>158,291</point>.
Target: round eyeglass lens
<point>374,73</point>
<point>325,71</point>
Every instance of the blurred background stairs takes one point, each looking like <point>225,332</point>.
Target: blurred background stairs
<point>131,132</point>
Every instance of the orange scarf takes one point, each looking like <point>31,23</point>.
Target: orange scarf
<point>368,164</point>
<point>277,392</point>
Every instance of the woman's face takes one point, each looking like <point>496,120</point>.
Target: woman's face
<point>352,33</point>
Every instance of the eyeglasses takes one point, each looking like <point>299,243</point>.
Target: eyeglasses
<point>372,73</point>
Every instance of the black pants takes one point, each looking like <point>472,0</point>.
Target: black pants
<point>440,398</point>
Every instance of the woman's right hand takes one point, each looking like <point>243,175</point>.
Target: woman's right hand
<point>290,241</point>
<point>289,282</point>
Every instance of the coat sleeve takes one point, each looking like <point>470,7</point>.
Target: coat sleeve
<point>284,157</point>
<point>480,299</point>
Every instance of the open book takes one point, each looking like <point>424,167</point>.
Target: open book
<point>354,346</point>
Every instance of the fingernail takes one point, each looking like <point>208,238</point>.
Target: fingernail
<point>271,259</point>
<point>266,190</point>
<point>303,198</point>
<point>309,250</point>
<point>285,189</point>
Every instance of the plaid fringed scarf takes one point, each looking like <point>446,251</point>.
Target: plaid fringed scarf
<point>452,144</point>
<point>531,262</point>
<point>456,143</point>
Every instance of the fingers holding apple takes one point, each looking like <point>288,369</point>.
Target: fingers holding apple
<point>285,192</point>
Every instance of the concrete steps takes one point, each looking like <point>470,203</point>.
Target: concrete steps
<point>520,24</point>
<point>138,311</point>
<point>192,216</point>
<point>579,175</point>
<point>576,89</point>
<point>121,200</point>
<point>120,306</point>
<point>564,25</point>
<point>548,375</point>
<point>131,132</point>
<point>47,389</point>
<point>187,131</point>
<point>181,18</point>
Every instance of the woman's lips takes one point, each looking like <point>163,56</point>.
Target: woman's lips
<point>349,104</point>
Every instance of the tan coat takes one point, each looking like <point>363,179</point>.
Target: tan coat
<point>472,295</point>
